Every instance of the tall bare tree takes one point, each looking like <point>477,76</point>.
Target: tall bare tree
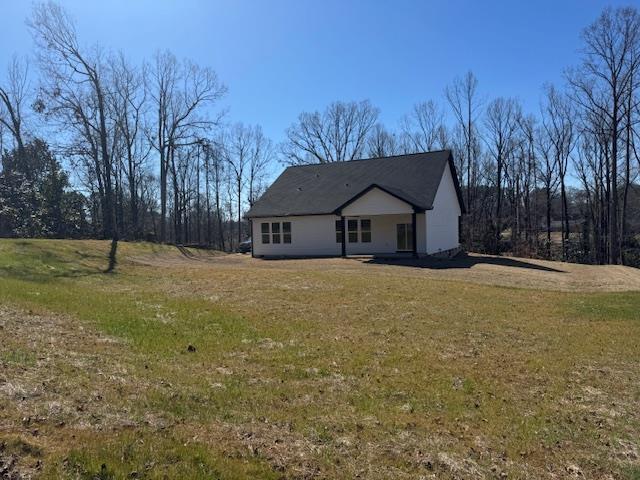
<point>14,95</point>
<point>558,121</point>
<point>462,96</point>
<point>261,155</point>
<point>381,142</point>
<point>548,176</point>
<point>238,144</point>
<point>129,109</point>
<point>335,135</point>
<point>423,128</point>
<point>76,93</point>
<point>182,95</point>
<point>501,125</point>
<point>600,86</point>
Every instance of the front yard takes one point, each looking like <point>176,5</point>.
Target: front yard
<point>194,365</point>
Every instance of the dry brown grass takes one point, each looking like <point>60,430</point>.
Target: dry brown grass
<point>481,269</point>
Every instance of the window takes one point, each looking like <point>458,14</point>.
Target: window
<point>338,231</point>
<point>265,232</point>
<point>365,230</point>
<point>286,232</point>
<point>404,237</point>
<point>275,232</point>
<point>353,231</point>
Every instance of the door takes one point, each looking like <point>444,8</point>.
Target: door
<point>404,237</point>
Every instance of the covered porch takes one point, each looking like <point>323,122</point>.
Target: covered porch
<point>377,222</point>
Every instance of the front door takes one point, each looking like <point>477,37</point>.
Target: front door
<point>404,237</point>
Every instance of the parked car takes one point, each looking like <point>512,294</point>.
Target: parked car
<point>245,247</point>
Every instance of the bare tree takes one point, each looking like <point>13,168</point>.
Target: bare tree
<point>631,105</point>
<point>181,95</point>
<point>600,86</point>
<point>558,121</point>
<point>423,129</point>
<point>381,142</point>
<point>76,93</point>
<point>13,99</point>
<point>501,123</point>
<point>128,107</point>
<point>237,147</point>
<point>528,167</point>
<point>216,167</point>
<point>463,98</point>
<point>335,135</point>
<point>260,157</point>
<point>548,177</point>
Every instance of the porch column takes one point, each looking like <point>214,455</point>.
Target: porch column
<point>251,233</point>
<point>343,226</point>
<point>414,225</point>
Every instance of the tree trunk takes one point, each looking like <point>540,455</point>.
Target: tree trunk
<point>613,213</point>
<point>565,218</point>
<point>498,208</point>
<point>239,211</point>
<point>548,188</point>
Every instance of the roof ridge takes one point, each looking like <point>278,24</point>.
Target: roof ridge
<point>370,158</point>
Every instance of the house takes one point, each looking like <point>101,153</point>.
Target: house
<point>408,204</point>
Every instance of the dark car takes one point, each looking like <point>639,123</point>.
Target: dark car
<point>245,247</point>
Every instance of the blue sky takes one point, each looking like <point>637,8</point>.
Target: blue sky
<point>280,57</point>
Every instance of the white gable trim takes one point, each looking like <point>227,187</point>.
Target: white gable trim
<point>376,202</point>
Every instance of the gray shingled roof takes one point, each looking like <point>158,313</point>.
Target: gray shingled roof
<point>325,188</point>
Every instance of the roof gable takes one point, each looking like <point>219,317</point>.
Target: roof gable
<point>376,199</point>
<point>324,188</point>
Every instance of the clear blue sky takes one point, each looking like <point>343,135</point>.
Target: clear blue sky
<point>279,58</point>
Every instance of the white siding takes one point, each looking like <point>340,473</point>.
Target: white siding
<point>376,202</point>
<point>310,235</point>
<point>316,236</point>
<point>442,221</point>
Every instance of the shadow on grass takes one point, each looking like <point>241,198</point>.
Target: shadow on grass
<point>460,261</point>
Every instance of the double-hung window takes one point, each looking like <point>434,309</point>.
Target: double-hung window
<point>265,232</point>
<point>338,231</point>
<point>286,232</point>
<point>365,230</point>
<point>352,227</point>
<point>275,232</point>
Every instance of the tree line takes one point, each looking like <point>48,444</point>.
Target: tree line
<point>148,153</point>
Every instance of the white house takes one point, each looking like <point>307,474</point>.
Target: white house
<point>403,204</point>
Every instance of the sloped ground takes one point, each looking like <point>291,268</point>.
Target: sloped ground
<point>191,365</point>
<point>476,268</point>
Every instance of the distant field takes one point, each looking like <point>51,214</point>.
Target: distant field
<point>198,365</point>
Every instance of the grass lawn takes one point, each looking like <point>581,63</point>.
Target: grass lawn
<point>195,365</point>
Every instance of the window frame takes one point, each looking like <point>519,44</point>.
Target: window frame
<point>286,232</point>
<point>339,231</point>
<point>352,233</point>
<point>265,235</point>
<point>365,233</point>
<point>276,234</point>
